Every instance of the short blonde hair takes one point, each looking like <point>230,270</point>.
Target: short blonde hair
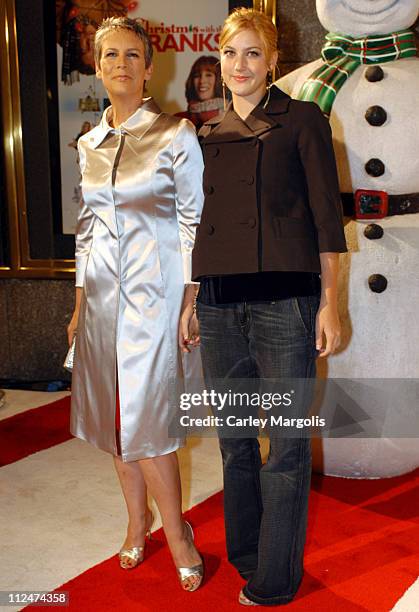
<point>123,23</point>
<point>249,19</point>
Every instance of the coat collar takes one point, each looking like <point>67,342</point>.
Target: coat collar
<point>229,127</point>
<point>136,125</point>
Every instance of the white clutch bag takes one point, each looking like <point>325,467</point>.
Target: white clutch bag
<point>69,360</point>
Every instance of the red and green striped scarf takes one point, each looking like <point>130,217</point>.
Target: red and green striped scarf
<point>342,55</point>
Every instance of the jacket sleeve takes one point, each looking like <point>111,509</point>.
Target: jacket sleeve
<point>84,230</point>
<point>188,168</point>
<point>318,159</point>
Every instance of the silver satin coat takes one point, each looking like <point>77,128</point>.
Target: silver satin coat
<point>142,201</point>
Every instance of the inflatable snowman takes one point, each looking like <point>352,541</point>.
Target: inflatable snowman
<point>367,82</point>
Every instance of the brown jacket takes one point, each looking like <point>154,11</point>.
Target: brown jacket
<point>272,199</point>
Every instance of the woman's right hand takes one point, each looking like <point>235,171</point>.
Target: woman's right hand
<point>72,327</point>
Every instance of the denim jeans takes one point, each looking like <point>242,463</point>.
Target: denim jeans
<point>265,507</point>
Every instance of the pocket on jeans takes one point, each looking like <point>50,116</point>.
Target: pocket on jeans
<point>207,311</point>
<point>303,310</point>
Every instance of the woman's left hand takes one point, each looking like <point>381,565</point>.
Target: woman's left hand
<point>188,329</point>
<point>327,323</point>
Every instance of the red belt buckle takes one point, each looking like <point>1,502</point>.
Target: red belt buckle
<point>370,204</point>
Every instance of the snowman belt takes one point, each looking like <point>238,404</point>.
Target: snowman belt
<point>343,54</point>
<point>370,204</point>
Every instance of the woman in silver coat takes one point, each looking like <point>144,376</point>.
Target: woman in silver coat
<point>142,199</point>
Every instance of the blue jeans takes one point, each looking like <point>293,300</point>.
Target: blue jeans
<point>265,506</point>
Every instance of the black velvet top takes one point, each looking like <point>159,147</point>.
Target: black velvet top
<point>257,287</point>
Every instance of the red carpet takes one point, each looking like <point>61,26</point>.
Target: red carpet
<point>362,551</point>
<point>362,554</point>
<point>34,430</point>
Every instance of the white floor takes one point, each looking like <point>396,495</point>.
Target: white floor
<point>61,510</point>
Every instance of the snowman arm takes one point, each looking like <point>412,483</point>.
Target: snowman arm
<point>286,83</point>
<point>292,82</point>
<point>318,159</point>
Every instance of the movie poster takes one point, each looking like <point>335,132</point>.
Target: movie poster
<point>181,33</point>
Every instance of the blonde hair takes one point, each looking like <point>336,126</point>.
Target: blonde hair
<point>123,23</point>
<point>249,19</point>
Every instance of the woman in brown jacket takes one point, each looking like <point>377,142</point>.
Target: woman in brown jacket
<point>267,259</point>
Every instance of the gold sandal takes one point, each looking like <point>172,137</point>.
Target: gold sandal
<point>131,557</point>
<point>196,571</point>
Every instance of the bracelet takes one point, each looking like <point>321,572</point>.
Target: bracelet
<point>194,304</point>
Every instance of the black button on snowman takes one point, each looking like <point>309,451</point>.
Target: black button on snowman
<point>374,73</point>
<point>376,115</point>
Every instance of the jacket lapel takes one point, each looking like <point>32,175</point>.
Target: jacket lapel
<point>106,140</point>
<point>229,127</point>
<point>141,121</point>
<point>136,125</point>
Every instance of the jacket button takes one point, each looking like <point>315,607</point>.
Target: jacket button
<point>375,167</point>
<point>250,180</point>
<point>251,222</point>
<point>209,189</point>
<point>210,229</point>
<point>215,151</point>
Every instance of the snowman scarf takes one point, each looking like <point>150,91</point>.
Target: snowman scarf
<point>342,55</point>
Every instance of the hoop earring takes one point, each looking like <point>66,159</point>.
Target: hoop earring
<point>268,88</point>
<point>223,85</point>
<point>269,79</point>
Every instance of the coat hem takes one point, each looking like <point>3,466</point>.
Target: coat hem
<point>131,456</point>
